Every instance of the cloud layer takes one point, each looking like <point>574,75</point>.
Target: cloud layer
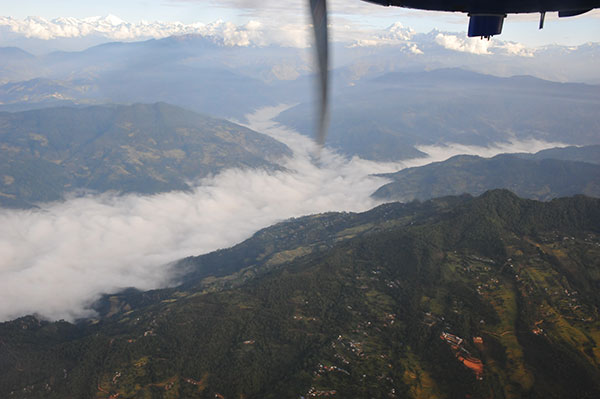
<point>114,28</point>
<point>293,33</point>
<point>58,260</point>
<point>475,45</point>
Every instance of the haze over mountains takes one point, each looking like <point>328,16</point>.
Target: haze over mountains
<point>389,117</point>
<point>356,49</point>
<point>209,76</point>
<point>589,154</point>
<point>387,99</point>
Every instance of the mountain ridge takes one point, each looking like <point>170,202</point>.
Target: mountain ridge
<point>536,176</point>
<point>390,121</point>
<point>365,317</point>
<point>137,148</point>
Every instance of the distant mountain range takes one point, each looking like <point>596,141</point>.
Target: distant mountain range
<point>139,148</point>
<point>395,47</point>
<point>493,296</point>
<point>545,175</point>
<point>387,118</point>
<point>203,73</point>
<point>189,71</point>
<point>589,153</point>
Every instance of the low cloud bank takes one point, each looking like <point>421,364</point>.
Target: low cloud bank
<point>263,31</point>
<point>113,28</point>
<point>474,45</point>
<point>56,261</point>
<point>441,153</point>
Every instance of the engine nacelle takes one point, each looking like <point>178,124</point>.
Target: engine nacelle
<point>485,25</point>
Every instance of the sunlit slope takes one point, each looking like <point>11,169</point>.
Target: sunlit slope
<point>139,148</point>
<point>387,118</point>
<point>360,314</point>
<point>540,179</point>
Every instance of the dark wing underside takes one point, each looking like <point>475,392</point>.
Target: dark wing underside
<point>494,7</point>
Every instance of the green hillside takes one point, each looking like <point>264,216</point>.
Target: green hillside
<point>139,148</point>
<point>456,297</point>
<point>525,175</point>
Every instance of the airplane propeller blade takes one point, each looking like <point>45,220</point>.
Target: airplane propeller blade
<point>318,12</point>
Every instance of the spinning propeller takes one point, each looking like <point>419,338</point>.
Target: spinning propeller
<point>318,12</point>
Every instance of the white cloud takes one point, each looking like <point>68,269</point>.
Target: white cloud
<point>397,31</point>
<point>114,28</point>
<point>474,45</point>
<point>232,35</point>
<point>511,48</point>
<point>394,35</point>
<point>409,40</point>
<point>438,153</point>
<point>463,44</point>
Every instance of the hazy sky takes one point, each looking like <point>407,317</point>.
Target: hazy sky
<point>347,14</point>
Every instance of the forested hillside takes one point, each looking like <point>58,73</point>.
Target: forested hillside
<point>529,176</point>
<point>456,297</point>
<point>139,148</point>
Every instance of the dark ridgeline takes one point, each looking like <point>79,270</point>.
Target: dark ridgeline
<point>553,173</point>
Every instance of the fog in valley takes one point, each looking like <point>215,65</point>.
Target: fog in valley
<point>58,259</point>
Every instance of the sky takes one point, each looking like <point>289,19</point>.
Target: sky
<point>346,14</point>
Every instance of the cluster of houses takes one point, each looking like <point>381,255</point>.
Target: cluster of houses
<point>314,393</point>
<point>462,354</point>
<point>324,369</point>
